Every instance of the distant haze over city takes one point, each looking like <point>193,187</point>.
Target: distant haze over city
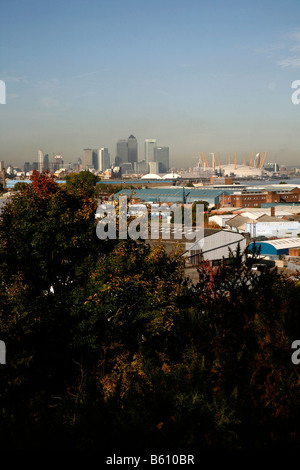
<point>196,76</point>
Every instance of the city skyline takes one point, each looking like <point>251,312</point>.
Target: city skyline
<point>198,76</point>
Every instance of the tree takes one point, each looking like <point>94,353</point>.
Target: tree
<point>48,248</point>
<point>82,182</point>
<point>108,343</point>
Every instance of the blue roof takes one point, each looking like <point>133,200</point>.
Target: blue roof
<point>152,194</point>
<point>173,194</point>
<point>275,247</point>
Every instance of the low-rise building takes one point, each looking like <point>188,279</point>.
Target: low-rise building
<point>215,245</point>
<point>281,246</point>
<point>255,198</point>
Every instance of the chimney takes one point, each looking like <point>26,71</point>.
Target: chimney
<point>273,211</point>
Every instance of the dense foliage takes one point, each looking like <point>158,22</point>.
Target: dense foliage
<point>109,346</point>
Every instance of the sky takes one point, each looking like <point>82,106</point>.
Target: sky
<point>198,76</point>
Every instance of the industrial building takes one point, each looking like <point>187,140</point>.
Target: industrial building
<point>221,219</point>
<point>215,246</point>
<point>281,246</point>
<point>257,197</point>
<point>179,194</point>
<point>264,225</point>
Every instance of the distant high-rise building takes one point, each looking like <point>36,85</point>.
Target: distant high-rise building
<point>153,168</point>
<point>161,156</point>
<point>149,150</point>
<point>57,162</point>
<point>132,150</point>
<point>104,159</point>
<point>87,160</point>
<point>46,162</point>
<point>95,159</point>
<point>126,167</point>
<point>40,160</point>
<point>141,167</point>
<point>121,152</point>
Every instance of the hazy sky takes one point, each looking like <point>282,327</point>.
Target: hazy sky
<point>199,76</point>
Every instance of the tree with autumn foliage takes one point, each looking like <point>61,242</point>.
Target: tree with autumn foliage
<point>48,247</point>
<point>109,346</point>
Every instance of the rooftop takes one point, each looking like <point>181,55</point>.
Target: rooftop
<point>293,242</point>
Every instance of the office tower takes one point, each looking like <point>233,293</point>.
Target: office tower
<point>132,150</point>
<point>121,152</point>
<point>126,167</point>
<point>1,166</point>
<point>46,162</point>
<point>141,167</point>
<point>149,149</point>
<point>87,160</point>
<point>57,162</point>
<point>95,159</point>
<point>161,156</point>
<point>104,159</point>
<point>153,168</point>
<point>40,160</point>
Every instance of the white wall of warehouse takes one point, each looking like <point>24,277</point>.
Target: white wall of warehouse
<point>216,246</point>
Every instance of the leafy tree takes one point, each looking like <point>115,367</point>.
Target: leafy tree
<point>83,182</point>
<point>108,344</point>
<point>20,185</point>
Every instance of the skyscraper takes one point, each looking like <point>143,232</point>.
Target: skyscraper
<point>87,158</point>
<point>132,150</point>
<point>104,159</point>
<point>57,162</point>
<point>95,159</point>
<point>149,150</point>
<point>46,162</point>
<point>121,152</point>
<point>40,160</point>
<point>161,155</point>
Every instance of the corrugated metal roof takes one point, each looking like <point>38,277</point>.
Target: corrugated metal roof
<point>293,242</point>
<point>239,220</point>
<point>269,218</point>
<point>172,194</point>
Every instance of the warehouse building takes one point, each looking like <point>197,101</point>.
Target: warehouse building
<point>265,225</point>
<point>215,246</point>
<point>257,197</point>
<point>173,194</point>
<point>280,246</point>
